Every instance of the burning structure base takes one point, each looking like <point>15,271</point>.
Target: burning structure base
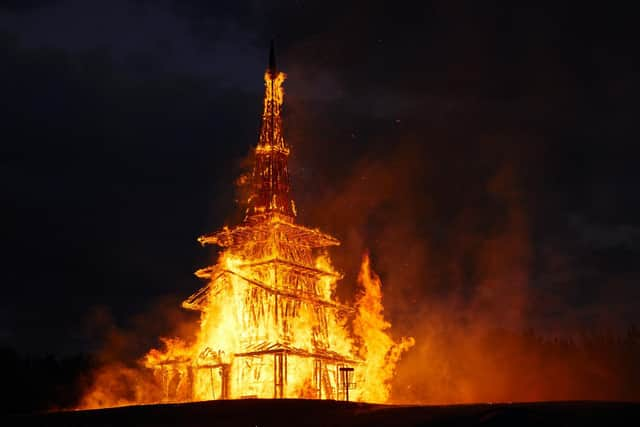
<point>268,301</point>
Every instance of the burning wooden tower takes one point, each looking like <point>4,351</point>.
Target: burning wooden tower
<point>270,326</point>
<point>269,322</point>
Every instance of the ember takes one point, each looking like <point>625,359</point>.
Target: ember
<point>270,325</point>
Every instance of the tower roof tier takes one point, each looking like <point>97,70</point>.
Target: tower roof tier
<point>278,347</point>
<point>268,228</point>
<point>282,264</point>
<point>263,348</point>
<point>219,278</point>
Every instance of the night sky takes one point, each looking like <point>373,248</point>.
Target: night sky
<point>483,152</point>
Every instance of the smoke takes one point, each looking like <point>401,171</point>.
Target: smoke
<point>118,376</point>
<point>452,229</point>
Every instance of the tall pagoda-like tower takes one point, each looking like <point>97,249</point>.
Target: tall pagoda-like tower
<point>270,326</point>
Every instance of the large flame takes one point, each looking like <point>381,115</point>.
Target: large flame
<point>378,350</point>
<point>270,323</point>
<point>181,370</point>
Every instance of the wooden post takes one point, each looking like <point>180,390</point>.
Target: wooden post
<point>317,377</point>
<point>279,374</point>
<point>345,374</point>
<point>225,371</point>
<point>213,391</point>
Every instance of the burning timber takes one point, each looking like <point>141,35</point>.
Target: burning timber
<point>278,299</point>
<point>270,326</point>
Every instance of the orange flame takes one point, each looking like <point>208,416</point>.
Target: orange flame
<point>270,325</point>
<point>378,350</point>
<point>193,372</point>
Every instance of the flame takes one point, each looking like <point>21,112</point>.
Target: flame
<point>274,91</point>
<point>378,350</point>
<point>270,323</point>
<point>192,372</point>
<point>272,112</point>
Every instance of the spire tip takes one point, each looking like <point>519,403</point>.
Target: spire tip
<point>272,58</point>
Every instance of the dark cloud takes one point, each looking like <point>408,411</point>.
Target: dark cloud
<point>25,5</point>
<point>144,38</point>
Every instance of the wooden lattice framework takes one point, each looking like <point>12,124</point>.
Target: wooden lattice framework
<point>278,271</point>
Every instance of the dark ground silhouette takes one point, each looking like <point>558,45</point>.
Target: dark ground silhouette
<point>297,412</point>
